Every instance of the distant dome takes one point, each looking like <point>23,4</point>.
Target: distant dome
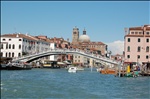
<point>84,38</point>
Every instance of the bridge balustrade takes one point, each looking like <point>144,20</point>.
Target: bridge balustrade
<point>87,53</point>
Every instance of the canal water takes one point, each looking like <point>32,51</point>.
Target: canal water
<point>59,84</point>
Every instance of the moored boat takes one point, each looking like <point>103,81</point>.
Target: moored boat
<point>72,69</point>
<point>108,71</point>
<point>19,65</point>
<point>50,64</point>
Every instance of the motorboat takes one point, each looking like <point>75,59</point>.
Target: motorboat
<point>18,65</point>
<point>99,69</point>
<point>72,69</point>
<point>50,64</point>
<point>107,71</point>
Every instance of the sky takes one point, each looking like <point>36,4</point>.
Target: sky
<point>103,21</point>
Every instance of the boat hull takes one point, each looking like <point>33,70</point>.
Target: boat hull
<point>107,71</point>
<point>72,70</point>
<point>18,68</point>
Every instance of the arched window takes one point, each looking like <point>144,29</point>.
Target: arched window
<point>139,49</point>
<point>147,40</point>
<point>146,56</point>
<point>9,54</point>
<point>139,40</point>
<point>13,47</point>
<point>138,56</point>
<point>1,46</point>
<point>19,46</point>
<point>6,54</point>
<point>19,54</point>
<point>9,46</point>
<point>128,39</point>
<point>147,49</point>
<point>6,46</point>
<point>128,49</point>
<point>13,54</point>
<point>128,56</point>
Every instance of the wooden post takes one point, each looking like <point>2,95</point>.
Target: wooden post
<point>119,68</point>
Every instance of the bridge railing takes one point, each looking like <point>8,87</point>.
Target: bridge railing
<point>88,53</point>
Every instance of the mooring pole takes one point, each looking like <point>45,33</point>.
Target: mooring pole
<point>119,68</point>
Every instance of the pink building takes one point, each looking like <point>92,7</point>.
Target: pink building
<point>137,44</point>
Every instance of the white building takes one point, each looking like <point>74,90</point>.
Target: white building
<point>17,45</point>
<point>53,57</point>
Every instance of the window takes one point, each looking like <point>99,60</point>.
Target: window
<point>128,49</point>
<point>138,56</point>
<point>9,54</point>
<point>6,46</point>
<point>128,56</point>
<point>132,32</point>
<point>136,32</point>
<point>147,33</point>
<point>140,32</point>
<point>139,40</point>
<point>19,54</point>
<point>1,46</point>
<point>139,49</point>
<point>19,39</point>
<point>13,54</point>
<point>75,60</point>
<point>19,46</point>
<point>13,47</point>
<point>6,54</point>
<point>9,39</point>
<point>128,39</point>
<point>9,46</point>
<point>78,56</point>
<point>147,49</point>
<point>3,39</point>
<point>147,40</point>
<point>78,60</point>
<point>146,56</point>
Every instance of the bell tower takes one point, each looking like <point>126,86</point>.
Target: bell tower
<point>75,35</point>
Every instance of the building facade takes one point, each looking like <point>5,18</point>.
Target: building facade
<point>60,43</point>
<point>17,45</point>
<point>137,44</point>
<point>83,43</point>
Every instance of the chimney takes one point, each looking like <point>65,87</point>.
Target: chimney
<point>17,35</point>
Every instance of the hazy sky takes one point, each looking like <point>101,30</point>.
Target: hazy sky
<point>103,21</point>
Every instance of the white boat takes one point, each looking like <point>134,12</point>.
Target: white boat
<point>99,69</point>
<point>72,69</point>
